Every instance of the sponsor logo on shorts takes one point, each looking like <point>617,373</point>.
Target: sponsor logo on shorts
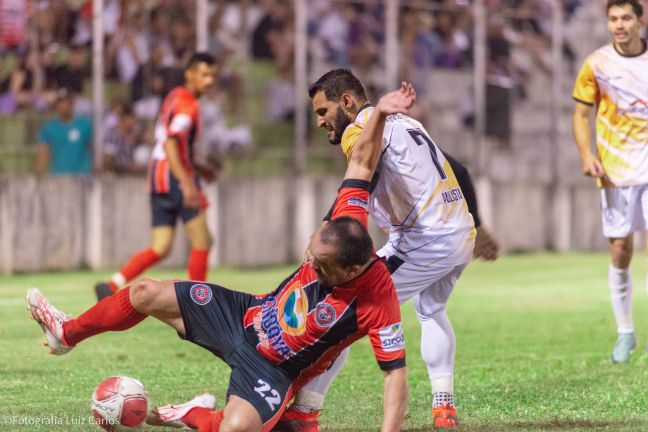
<point>324,314</point>
<point>201,294</point>
<point>358,202</point>
<point>391,338</point>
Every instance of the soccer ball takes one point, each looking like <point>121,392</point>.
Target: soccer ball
<point>119,403</point>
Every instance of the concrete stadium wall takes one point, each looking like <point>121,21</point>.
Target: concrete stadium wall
<point>68,223</point>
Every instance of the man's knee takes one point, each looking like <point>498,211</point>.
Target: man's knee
<point>239,422</point>
<point>621,252</point>
<point>143,294</point>
<point>205,242</point>
<point>201,239</point>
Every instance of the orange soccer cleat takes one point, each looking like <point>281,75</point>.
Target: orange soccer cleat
<point>445,416</point>
<point>297,421</point>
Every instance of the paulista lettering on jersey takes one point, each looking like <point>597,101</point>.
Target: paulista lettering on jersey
<point>452,195</point>
<point>272,328</point>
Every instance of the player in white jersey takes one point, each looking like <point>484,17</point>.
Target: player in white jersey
<point>416,198</point>
<point>614,78</point>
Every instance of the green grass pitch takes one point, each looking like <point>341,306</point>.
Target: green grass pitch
<point>534,334</point>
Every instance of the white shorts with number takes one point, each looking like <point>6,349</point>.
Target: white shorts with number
<point>624,210</point>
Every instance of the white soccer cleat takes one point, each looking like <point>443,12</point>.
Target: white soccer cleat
<point>50,319</point>
<point>171,415</point>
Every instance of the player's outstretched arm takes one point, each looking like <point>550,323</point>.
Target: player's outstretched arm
<point>366,151</point>
<point>394,399</point>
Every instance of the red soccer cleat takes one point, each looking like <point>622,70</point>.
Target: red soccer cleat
<point>297,421</point>
<point>445,416</point>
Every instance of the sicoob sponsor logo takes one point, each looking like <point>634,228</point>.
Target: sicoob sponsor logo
<point>391,337</point>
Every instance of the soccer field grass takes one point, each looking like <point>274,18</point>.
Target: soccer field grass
<point>534,334</point>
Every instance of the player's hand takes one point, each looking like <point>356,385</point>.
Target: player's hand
<point>592,166</point>
<point>190,195</point>
<point>399,101</point>
<point>486,247</point>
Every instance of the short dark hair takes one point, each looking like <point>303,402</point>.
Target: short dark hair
<point>636,6</point>
<point>201,57</point>
<point>352,239</point>
<point>335,82</point>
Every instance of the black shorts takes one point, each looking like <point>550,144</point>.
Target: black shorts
<point>213,319</point>
<point>167,207</point>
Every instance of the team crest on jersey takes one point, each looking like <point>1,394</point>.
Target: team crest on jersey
<point>200,294</point>
<point>324,314</point>
<point>358,202</point>
<point>293,309</point>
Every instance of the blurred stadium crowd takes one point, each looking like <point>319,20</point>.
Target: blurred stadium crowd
<point>46,57</point>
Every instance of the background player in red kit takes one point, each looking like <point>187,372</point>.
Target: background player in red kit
<point>275,342</point>
<point>173,180</point>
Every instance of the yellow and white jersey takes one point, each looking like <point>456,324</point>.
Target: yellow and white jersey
<point>618,86</point>
<point>415,195</point>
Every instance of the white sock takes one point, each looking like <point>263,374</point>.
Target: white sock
<point>620,282</point>
<point>441,398</point>
<point>119,280</point>
<point>311,397</point>
<point>438,349</point>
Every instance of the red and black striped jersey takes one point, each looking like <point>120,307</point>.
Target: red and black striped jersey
<point>179,119</point>
<point>303,325</point>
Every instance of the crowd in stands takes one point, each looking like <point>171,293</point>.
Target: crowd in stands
<point>147,43</point>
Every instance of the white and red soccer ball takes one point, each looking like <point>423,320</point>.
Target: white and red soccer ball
<point>120,403</point>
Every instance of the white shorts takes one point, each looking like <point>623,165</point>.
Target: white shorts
<point>624,210</point>
<point>433,284</point>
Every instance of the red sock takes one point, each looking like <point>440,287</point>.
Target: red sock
<point>197,264</point>
<point>203,419</point>
<point>135,266</point>
<point>114,313</point>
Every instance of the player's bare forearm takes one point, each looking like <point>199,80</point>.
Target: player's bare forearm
<point>175,164</point>
<point>190,195</point>
<point>581,130</point>
<point>366,151</point>
<point>395,399</point>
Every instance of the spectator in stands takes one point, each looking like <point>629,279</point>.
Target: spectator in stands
<point>130,47</point>
<point>420,47</point>
<point>363,48</point>
<point>183,40</point>
<point>331,36</point>
<point>500,83</point>
<point>275,21</point>
<point>120,145</point>
<point>72,74</point>
<point>146,81</point>
<point>64,142</point>
<point>218,138</point>
<point>159,32</point>
<point>452,28</point>
<point>24,87</point>
<point>147,107</point>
